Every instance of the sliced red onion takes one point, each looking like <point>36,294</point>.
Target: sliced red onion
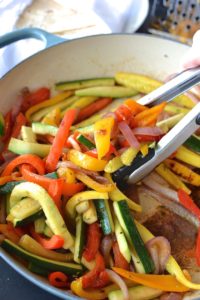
<point>152,131</point>
<point>120,282</point>
<point>159,188</point>
<point>106,246</point>
<point>128,134</point>
<point>158,178</point>
<point>162,246</point>
<point>172,296</point>
<point>74,143</point>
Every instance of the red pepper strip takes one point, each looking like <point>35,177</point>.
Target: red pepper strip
<point>20,121</point>
<point>96,278</point>
<point>119,260</point>
<point>92,153</point>
<point>59,140</point>
<point>58,279</point>
<point>7,126</point>
<point>9,232</point>
<point>55,191</point>
<point>123,113</point>
<point>112,150</point>
<point>147,138</point>
<point>70,189</point>
<point>94,107</point>
<point>188,203</point>
<point>55,242</point>
<point>33,98</point>
<point>31,159</point>
<point>93,241</point>
<point>197,250</point>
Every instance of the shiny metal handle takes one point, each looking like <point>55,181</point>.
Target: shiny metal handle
<point>169,143</point>
<point>176,86</point>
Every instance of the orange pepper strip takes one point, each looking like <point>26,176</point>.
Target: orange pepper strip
<point>55,191</point>
<point>167,283</point>
<point>31,159</point>
<point>59,140</point>
<point>7,178</point>
<point>134,106</point>
<point>148,116</point>
<point>58,279</point>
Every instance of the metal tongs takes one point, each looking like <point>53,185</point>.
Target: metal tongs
<point>142,166</point>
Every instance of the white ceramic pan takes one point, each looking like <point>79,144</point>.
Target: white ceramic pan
<point>83,58</point>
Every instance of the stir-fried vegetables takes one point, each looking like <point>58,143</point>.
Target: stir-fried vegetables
<point>60,208</point>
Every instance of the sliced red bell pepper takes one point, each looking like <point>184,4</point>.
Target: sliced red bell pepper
<point>70,189</point>
<point>96,278</point>
<point>92,153</point>
<point>58,279</point>
<point>9,232</point>
<point>20,121</point>
<point>55,191</point>
<point>32,98</point>
<point>94,107</point>
<point>123,113</point>
<point>188,203</point>
<point>60,139</point>
<point>8,125</point>
<point>197,250</point>
<point>147,138</point>
<point>55,242</point>
<point>93,241</point>
<point>112,150</point>
<point>36,162</point>
<point>119,259</point>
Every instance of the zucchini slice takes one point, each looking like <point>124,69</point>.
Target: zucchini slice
<point>104,216</point>
<point>71,269</point>
<point>80,238</point>
<point>107,91</point>
<point>132,234</point>
<point>193,142</point>
<point>83,83</point>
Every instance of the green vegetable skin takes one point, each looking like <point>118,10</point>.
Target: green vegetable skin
<point>83,83</point>
<point>83,140</point>
<point>104,216</point>
<point>48,264</point>
<point>130,230</point>
<point>193,143</point>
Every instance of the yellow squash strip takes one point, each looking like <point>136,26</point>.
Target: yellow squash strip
<point>117,195</point>
<point>183,171</point>
<point>67,173</point>
<point>47,103</point>
<point>80,103</point>
<point>171,178</point>
<point>82,207</point>
<point>85,161</point>
<point>145,84</point>
<point>94,185</point>
<point>82,196</point>
<point>53,117</point>
<point>102,134</point>
<point>172,266</point>
<point>32,246</point>
<point>174,109</point>
<point>113,165</point>
<point>90,215</point>
<point>167,283</point>
<point>54,218</point>
<point>91,294</point>
<point>188,156</point>
<point>128,156</point>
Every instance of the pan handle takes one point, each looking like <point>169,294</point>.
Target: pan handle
<point>27,33</point>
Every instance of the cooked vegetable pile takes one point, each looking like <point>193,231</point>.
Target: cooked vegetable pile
<point>61,211</point>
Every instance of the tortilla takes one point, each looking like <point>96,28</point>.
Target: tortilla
<point>59,18</point>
